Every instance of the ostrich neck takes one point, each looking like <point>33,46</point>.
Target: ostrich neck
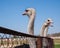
<point>31,25</point>
<point>44,29</point>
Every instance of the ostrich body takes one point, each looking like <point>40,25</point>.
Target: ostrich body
<point>45,27</point>
<point>30,12</point>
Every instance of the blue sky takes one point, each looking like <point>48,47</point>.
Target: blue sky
<point>11,14</point>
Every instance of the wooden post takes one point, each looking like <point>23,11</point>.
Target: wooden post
<point>39,43</point>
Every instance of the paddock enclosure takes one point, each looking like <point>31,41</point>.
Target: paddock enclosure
<point>15,39</point>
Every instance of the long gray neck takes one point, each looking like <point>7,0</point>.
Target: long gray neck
<point>44,29</point>
<point>30,28</point>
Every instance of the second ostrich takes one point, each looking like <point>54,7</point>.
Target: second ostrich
<point>45,26</point>
<point>30,12</point>
<point>44,30</point>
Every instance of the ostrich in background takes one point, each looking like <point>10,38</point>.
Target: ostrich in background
<point>45,26</point>
<point>30,12</point>
<point>44,30</point>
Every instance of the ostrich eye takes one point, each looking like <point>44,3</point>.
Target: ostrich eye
<point>48,20</point>
<point>26,10</point>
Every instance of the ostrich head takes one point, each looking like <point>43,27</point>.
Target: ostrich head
<point>49,22</point>
<point>29,12</point>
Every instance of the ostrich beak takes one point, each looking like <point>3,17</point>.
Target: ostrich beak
<point>51,21</point>
<point>51,24</point>
<point>24,13</point>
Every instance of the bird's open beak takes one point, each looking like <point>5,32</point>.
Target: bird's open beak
<point>24,13</point>
<point>51,21</point>
<point>51,24</point>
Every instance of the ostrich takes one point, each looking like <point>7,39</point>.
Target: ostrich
<point>30,12</point>
<point>44,31</point>
<point>45,27</point>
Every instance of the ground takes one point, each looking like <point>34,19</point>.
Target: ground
<point>57,43</point>
<point>57,46</point>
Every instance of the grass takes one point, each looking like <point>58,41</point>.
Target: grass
<point>57,46</point>
<point>56,43</point>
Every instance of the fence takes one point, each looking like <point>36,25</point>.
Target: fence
<point>12,39</point>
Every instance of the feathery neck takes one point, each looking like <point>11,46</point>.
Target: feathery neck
<point>44,29</point>
<point>31,25</point>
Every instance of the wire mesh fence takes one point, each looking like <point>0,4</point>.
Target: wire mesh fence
<point>14,39</point>
<point>7,42</point>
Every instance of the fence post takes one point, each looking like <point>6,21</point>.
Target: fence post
<point>51,43</point>
<point>39,43</point>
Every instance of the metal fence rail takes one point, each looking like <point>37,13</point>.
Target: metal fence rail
<point>10,39</point>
